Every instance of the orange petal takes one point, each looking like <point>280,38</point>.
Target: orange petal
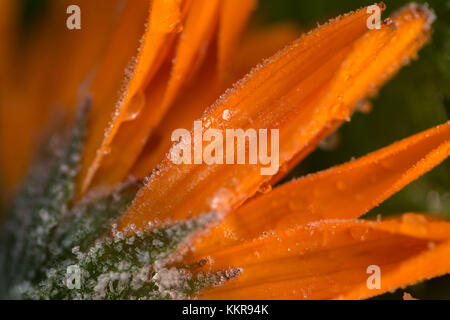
<point>330,259</point>
<point>343,192</point>
<point>302,91</point>
<point>106,87</point>
<point>380,55</point>
<point>8,14</point>
<point>52,50</point>
<point>142,108</point>
<point>131,136</point>
<point>198,31</point>
<point>260,43</point>
<point>153,104</point>
<point>430,264</point>
<point>203,90</point>
<point>232,22</point>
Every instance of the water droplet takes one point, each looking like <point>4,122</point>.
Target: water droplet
<point>226,115</point>
<point>331,142</point>
<point>364,106</point>
<point>135,106</point>
<point>265,188</point>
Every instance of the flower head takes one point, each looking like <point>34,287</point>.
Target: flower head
<point>211,229</point>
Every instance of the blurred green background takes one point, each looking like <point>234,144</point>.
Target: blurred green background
<point>415,99</point>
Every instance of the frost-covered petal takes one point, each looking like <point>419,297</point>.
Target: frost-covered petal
<point>303,90</point>
<point>346,191</point>
<point>335,259</point>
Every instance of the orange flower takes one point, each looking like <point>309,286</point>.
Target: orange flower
<point>301,240</point>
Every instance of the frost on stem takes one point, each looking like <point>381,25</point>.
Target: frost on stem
<point>44,237</point>
<point>38,207</point>
<point>129,266</point>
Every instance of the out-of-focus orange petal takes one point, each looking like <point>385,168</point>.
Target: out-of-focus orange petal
<point>131,127</point>
<point>116,64</point>
<point>203,90</point>
<point>142,108</point>
<point>260,43</point>
<point>8,13</point>
<point>200,26</point>
<point>343,192</point>
<point>233,18</point>
<point>330,259</point>
<point>301,91</point>
<point>132,136</point>
<point>66,58</point>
